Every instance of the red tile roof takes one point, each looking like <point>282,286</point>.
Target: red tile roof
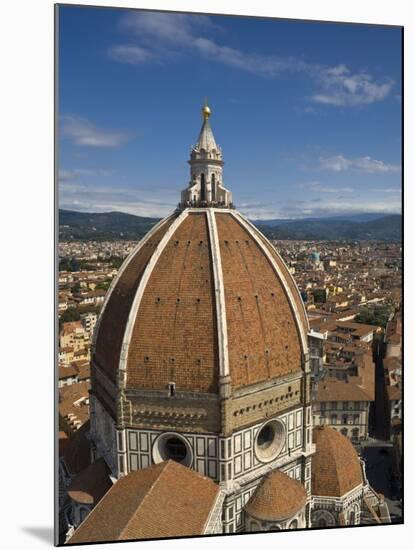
<point>165,500</point>
<point>336,468</point>
<point>277,498</point>
<point>354,388</point>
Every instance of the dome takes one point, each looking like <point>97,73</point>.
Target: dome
<point>277,498</point>
<point>336,468</point>
<point>203,295</point>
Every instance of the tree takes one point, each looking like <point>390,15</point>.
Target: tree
<point>374,316</point>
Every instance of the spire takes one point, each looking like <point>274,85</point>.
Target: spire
<point>206,139</point>
<point>206,185</point>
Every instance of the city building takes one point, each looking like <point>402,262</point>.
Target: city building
<point>344,402</point>
<point>89,321</point>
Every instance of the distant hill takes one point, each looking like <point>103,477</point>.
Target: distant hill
<point>365,217</point>
<point>102,226</point>
<point>121,226</point>
<point>385,228</point>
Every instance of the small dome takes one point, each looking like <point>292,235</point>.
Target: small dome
<point>277,498</point>
<point>336,468</point>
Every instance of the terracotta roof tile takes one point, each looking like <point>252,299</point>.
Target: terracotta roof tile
<point>110,334</point>
<point>174,338</point>
<point>354,388</point>
<point>263,340</point>
<point>165,500</point>
<point>67,372</point>
<point>336,468</point>
<point>278,497</point>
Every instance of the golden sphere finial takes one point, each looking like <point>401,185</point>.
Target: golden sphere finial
<point>206,111</point>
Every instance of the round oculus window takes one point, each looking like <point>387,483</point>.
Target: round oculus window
<point>172,446</point>
<point>269,440</point>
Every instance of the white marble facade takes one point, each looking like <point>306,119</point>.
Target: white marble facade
<point>231,461</point>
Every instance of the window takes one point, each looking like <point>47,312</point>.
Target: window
<point>176,449</point>
<point>356,418</point>
<point>203,188</point>
<point>213,187</point>
<point>265,437</point>
<point>270,440</point>
<point>222,454</point>
<point>345,419</point>
<point>334,419</point>
<point>323,406</point>
<point>172,446</point>
<point>355,433</point>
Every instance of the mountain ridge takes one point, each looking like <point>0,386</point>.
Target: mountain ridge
<point>74,225</point>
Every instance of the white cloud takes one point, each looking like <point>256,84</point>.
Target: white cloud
<point>156,201</point>
<point>339,163</point>
<point>394,190</point>
<point>132,54</point>
<point>172,28</point>
<point>83,132</point>
<point>67,175</point>
<point>367,164</point>
<point>316,186</point>
<point>160,32</point>
<point>341,87</point>
<point>297,209</point>
<point>167,34</point>
<point>151,201</point>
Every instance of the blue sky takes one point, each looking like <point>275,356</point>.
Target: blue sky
<point>308,114</point>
